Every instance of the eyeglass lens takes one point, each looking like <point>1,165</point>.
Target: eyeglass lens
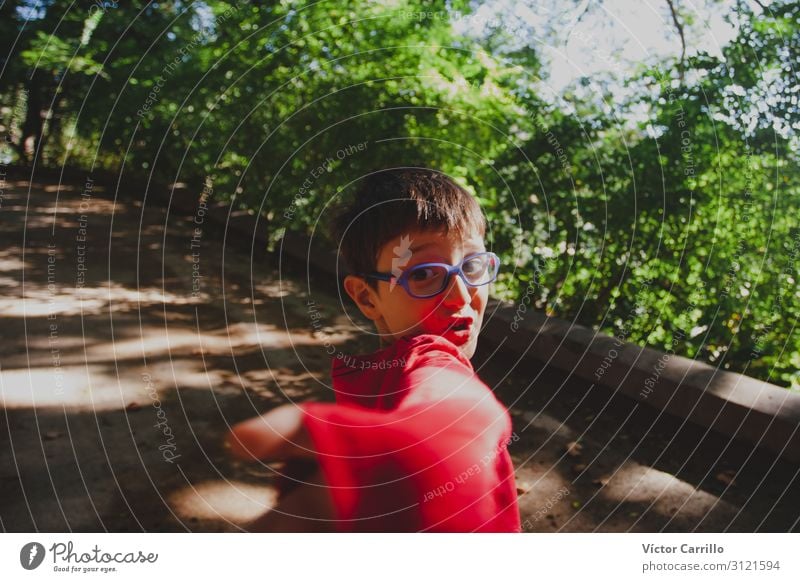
<point>430,280</point>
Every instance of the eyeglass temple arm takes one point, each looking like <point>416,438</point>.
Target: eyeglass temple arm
<point>380,276</point>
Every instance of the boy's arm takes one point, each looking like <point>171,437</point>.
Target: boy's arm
<point>278,434</point>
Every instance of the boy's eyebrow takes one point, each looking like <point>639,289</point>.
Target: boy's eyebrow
<point>414,249</point>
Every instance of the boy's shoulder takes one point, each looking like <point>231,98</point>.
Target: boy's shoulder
<point>423,364</point>
<point>438,371</point>
<point>406,353</point>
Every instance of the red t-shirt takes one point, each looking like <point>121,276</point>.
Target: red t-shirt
<point>415,442</point>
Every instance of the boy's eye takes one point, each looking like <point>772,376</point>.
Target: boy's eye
<point>426,281</point>
<point>423,274</point>
<point>475,266</point>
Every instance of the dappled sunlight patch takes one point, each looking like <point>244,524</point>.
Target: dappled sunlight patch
<point>634,483</point>
<point>42,220</point>
<point>232,501</point>
<point>12,262</point>
<point>542,493</point>
<point>297,386</point>
<point>88,300</point>
<point>279,287</point>
<point>539,483</point>
<point>247,333</point>
<point>151,340</point>
<point>60,188</point>
<point>155,340</point>
<point>38,348</point>
<point>188,373</point>
<point>67,386</point>
<point>40,302</point>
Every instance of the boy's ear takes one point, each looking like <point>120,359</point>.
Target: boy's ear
<point>363,295</point>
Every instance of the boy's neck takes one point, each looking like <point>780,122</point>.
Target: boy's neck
<point>385,338</point>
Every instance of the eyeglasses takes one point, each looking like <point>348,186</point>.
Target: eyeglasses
<point>429,279</point>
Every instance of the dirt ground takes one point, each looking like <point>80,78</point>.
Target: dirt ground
<point>130,342</point>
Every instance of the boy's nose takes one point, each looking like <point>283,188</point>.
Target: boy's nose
<point>457,293</point>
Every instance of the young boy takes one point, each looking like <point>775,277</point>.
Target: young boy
<point>416,441</point>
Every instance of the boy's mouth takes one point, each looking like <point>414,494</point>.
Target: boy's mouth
<point>459,325</point>
<point>458,336</point>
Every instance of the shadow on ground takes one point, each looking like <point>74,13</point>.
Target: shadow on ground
<point>128,350</point>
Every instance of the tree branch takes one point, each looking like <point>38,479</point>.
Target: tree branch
<point>679,26</point>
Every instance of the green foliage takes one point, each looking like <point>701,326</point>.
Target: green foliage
<point>679,231</point>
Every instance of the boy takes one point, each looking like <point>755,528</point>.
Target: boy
<point>416,441</point>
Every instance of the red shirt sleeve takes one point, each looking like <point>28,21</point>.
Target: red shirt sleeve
<point>438,462</point>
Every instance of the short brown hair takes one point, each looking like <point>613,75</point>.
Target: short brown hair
<point>393,201</point>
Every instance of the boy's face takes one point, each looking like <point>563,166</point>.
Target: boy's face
<point>396,313</point>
